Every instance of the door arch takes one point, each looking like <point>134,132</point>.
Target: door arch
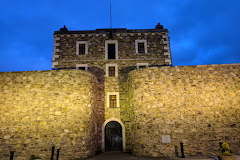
<point>114,123</point>
<point>113,136</point>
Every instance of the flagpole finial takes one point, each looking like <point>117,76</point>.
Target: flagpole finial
<point>110,16</point>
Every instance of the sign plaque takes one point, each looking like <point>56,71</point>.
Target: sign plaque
<point>166,139</point>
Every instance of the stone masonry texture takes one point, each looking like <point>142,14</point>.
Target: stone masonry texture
<point>158,54</point>
<point>196,105</point>
<point>65,56</point>
<point>49,108</point>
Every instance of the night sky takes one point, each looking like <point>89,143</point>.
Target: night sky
<point>201,31</point>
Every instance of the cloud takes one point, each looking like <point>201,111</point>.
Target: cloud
<point>202,32</point>
<point>211,29</point>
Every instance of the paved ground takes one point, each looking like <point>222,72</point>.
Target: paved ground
<point>127,156</point>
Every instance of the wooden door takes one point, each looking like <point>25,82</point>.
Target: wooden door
<point>113,136</point>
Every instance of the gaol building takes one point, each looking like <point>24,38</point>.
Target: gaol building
<point>116,90</point>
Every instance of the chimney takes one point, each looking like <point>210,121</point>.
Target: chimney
<point>158,26</point>
<point>64,29</point>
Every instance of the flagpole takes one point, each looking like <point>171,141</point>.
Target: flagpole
<point>110,16</point>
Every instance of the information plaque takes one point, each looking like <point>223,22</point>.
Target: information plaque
<point>166,139</point>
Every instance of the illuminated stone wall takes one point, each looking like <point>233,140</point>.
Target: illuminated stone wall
<point>111,85</point>
<point>196,105</point>
<point>45,108</point>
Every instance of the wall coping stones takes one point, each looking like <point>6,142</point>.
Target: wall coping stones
<point>193,66</point>
<point>108,30</point>
<point>69,71</point>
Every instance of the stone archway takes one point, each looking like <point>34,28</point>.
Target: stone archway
<point>123,133</point>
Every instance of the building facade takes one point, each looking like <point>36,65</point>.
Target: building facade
<point>111,54</point>
<point>116,90</point>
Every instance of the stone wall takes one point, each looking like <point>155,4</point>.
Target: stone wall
<point>102,64</point>
<point>66,45</point>
<point>158,54</point>
<point>126,112</point>
<point>65,56</point>
<point>196,105</point>
<point>45,108</point>
<point>111,85</point>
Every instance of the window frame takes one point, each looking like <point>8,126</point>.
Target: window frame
<point>82,65</point>
<point>116,48</point>
<point>111,65</point>
<point>111,71</point>
<point>77,47</point>
<point>114,105</point>
<point>142,64</point>
<point>108,99</point>
<point>145,46</point>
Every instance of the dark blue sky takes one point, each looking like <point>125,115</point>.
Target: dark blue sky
<point>201,31</point>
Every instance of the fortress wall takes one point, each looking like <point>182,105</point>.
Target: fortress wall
<point>196,105</point>
<point>44,108</point>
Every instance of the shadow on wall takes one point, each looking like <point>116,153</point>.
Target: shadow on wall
<point>98,109</point>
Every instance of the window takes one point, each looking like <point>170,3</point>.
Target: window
<point>81,47</point>
<point>111,70</point>
<point>113,99</point>
<point>141,46</point>
<point>82,67</point>
<point>111,49</point>
<point>142,65</point>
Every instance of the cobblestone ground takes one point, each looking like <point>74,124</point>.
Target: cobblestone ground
<point>121,156</point>
<point>127,156</point>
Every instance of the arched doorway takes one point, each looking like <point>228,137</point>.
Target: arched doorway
<point>113,136</point>
<point>122,134</point>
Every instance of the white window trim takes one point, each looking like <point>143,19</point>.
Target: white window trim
<point>117,98</point>
<point>142,64</point>
<point>77,46</point>
<point>141,41</point>
<point>82,65</point>
<point>116,47</point>
<point>107,69</point>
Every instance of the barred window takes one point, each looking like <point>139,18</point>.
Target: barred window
<point>81,48</point>
<point>141,48</point>
<point>112,101</point>
<point>111,71</point>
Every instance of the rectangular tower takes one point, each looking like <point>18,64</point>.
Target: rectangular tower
<point>111,54</point>
<point>119,46</point>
